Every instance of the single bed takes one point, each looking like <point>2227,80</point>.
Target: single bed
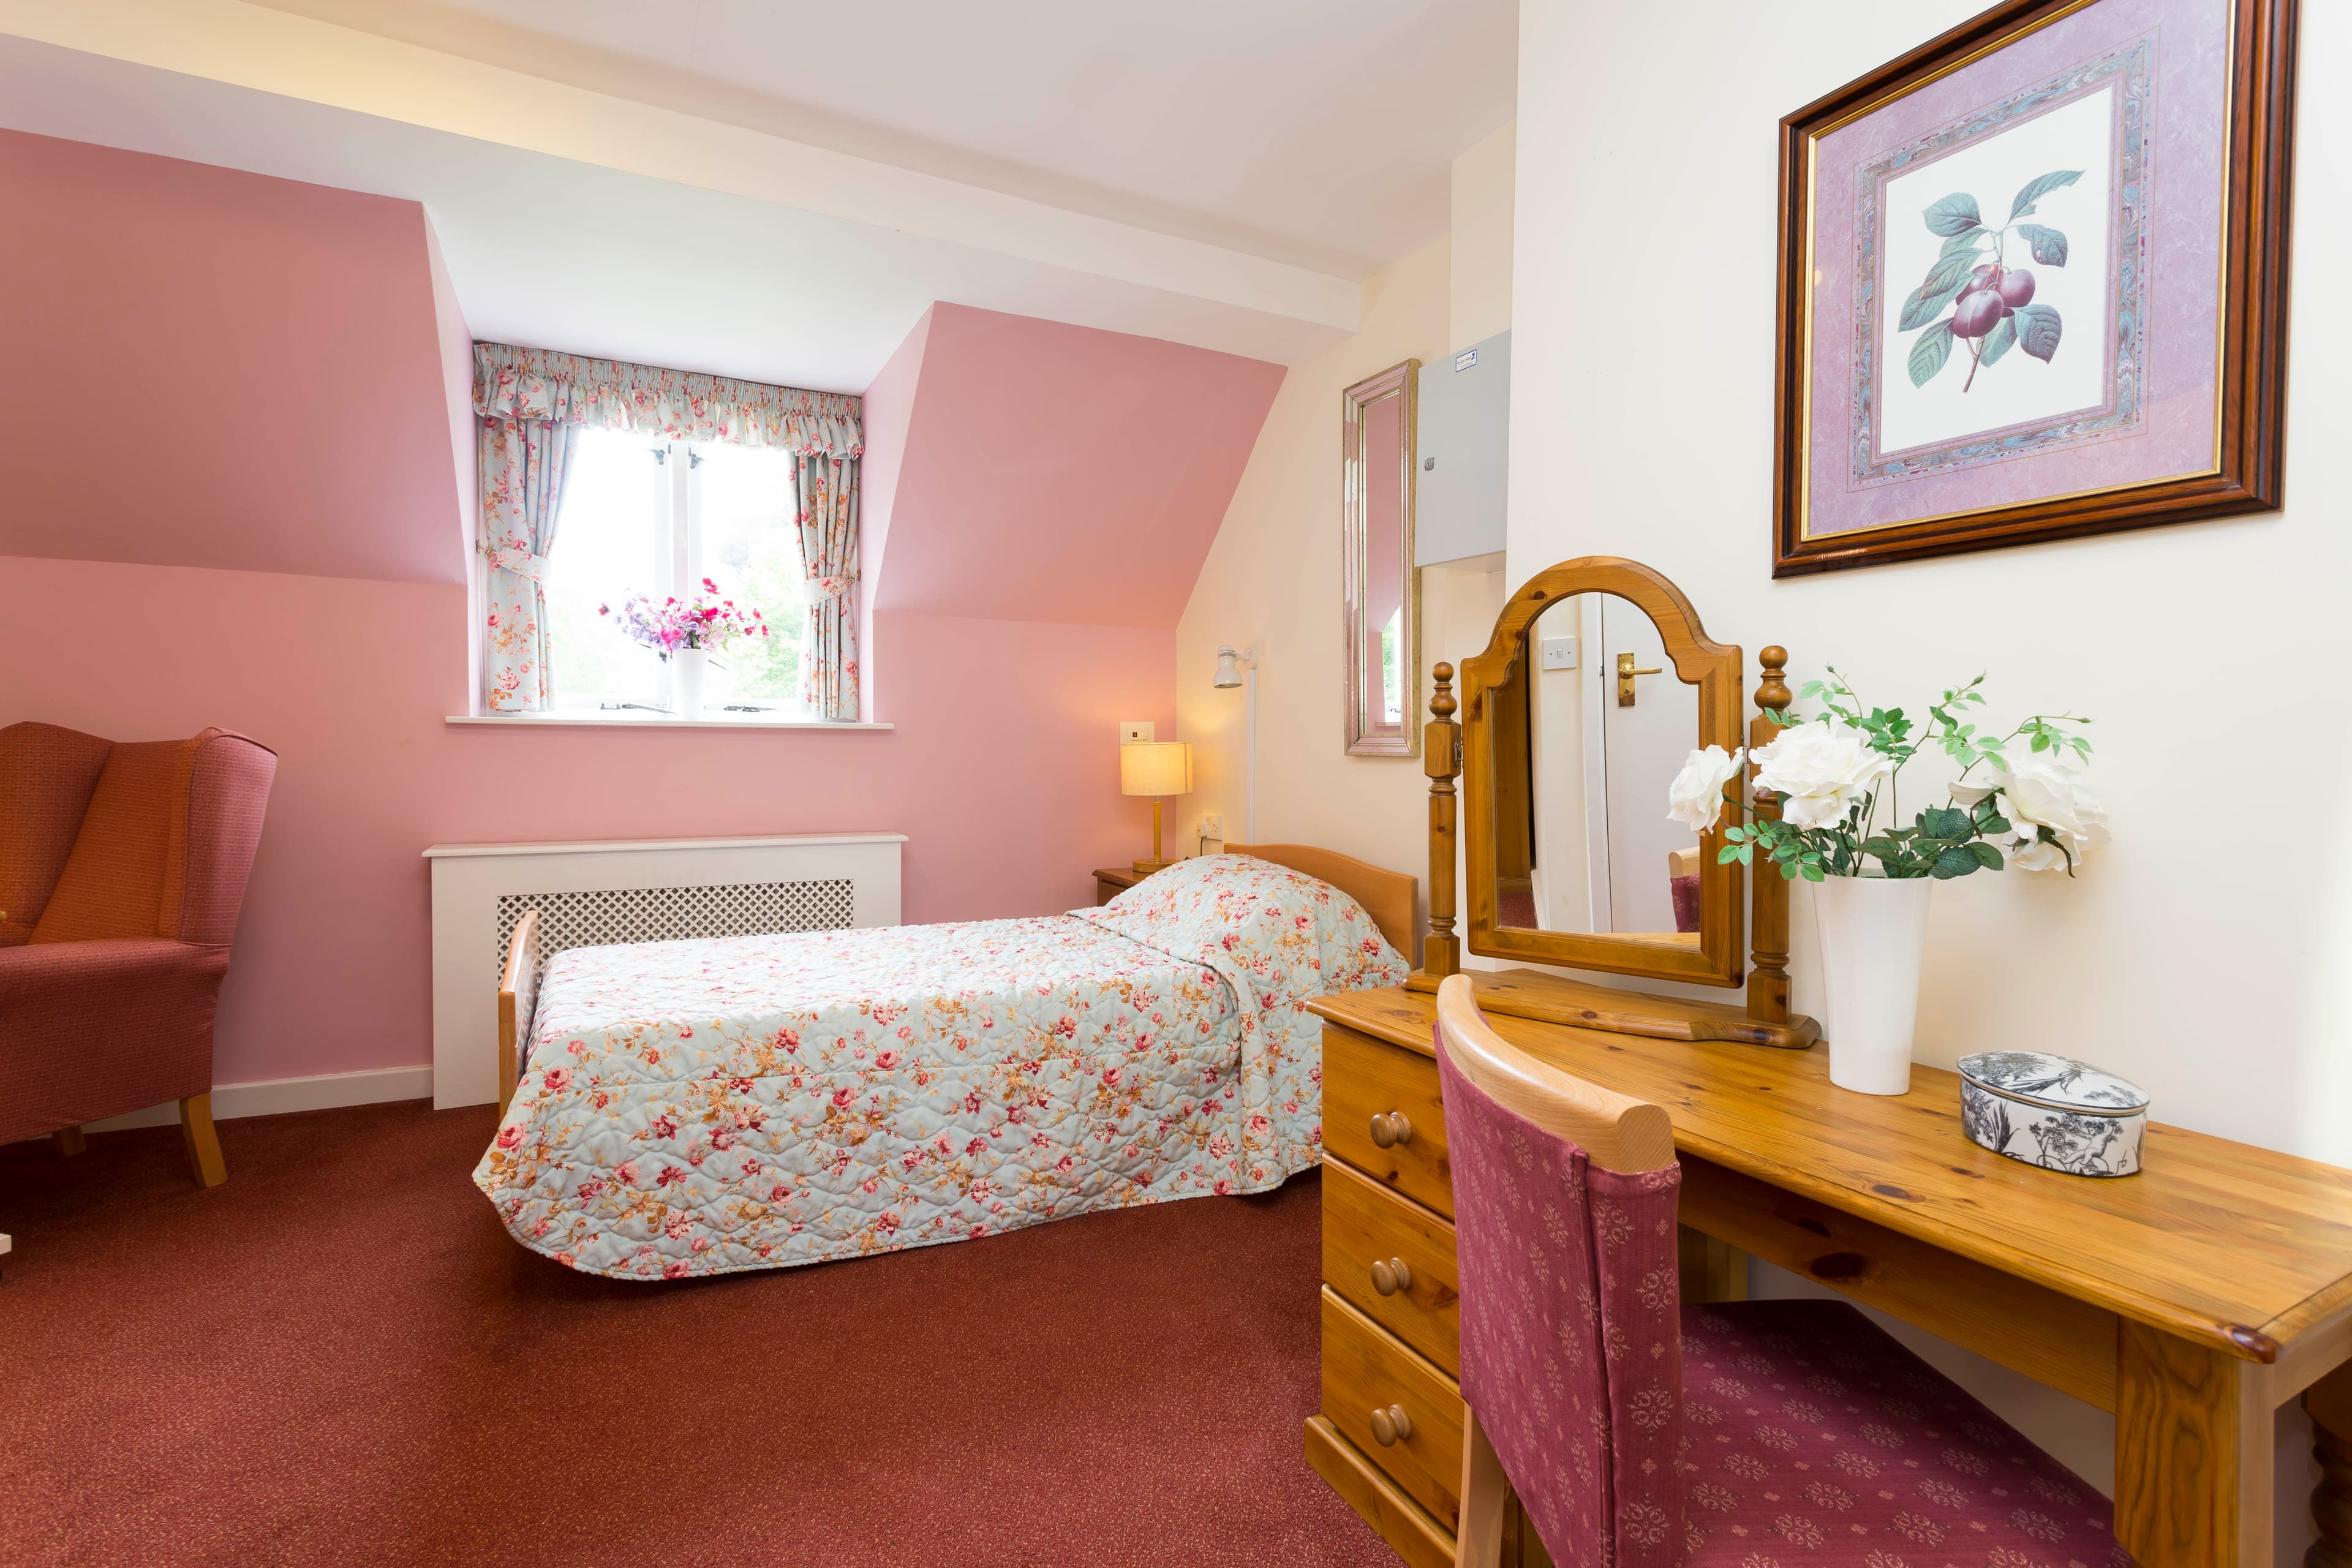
<point>690,1108</point>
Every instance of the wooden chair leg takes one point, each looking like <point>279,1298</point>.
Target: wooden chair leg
<point>204,1144</point>
<point>1484,1489</point>
<point>71,1141</point>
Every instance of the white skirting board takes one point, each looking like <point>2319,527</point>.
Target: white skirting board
<point>659,887</point>
<point>276,1096</point>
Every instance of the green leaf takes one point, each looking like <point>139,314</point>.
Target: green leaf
<point>2038,330</point>
<point>2000,340</point>
<point>1987,855</point>
<point>1727,855</point>
<point>1996,823</point>
<point>1956,214</point>
<point>1969,239</point>
<point>2049,244</point>
<point>1944,822</point>
<point>1928,354</point>
<point>1813,874</point>
<point>1955,861</point>
<point>2039,187</point>
<point>1920,308</point>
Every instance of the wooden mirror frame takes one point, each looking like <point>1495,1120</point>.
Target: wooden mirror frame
<point>1721,956</point>
<point>1403,383</point>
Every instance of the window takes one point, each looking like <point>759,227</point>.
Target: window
<point>644,516</point>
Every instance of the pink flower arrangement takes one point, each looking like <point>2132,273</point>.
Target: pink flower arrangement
<point>706,621</point>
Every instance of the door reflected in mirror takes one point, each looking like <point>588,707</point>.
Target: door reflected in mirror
<point>1590,729</point>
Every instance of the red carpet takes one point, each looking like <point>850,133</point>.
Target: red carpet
<point>340,1358</point>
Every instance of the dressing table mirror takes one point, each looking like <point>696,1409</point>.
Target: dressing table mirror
<point>1597,684</point>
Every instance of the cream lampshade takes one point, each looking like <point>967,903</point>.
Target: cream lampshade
<point>1156,768</point>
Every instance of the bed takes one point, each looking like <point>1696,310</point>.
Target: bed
<point>681,1109</point>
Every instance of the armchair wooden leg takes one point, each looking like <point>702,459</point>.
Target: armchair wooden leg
<point>71,1141</point>
<point>204,1144</point>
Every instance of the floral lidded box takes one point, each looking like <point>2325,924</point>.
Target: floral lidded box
<point>2052,1112</point>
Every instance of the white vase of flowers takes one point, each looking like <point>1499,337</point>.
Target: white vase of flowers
<point>685,633</point>
<point>687,666</point>
<point>1820,785</point>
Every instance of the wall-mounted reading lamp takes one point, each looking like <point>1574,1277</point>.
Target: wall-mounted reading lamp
<point>1240,670</point>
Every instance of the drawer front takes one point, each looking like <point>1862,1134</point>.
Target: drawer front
<point>1364,1370</point>
<point>1366,1224</point>
<point>1364,1078</point>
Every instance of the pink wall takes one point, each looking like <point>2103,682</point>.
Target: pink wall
<point>1003,771</point>
<point>267,530</point>
<point>1060,473</point>
<point>225,345</point>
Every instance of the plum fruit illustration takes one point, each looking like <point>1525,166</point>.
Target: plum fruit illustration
<point>1992,300</point>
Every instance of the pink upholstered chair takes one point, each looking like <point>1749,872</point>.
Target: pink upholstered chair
<point>1644,1433</point>
<point>121,868</point>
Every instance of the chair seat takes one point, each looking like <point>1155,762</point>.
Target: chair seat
<point>1812,1439</point>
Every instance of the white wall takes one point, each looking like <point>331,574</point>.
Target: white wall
<point>2198,955</point>
<point>1272,578</point>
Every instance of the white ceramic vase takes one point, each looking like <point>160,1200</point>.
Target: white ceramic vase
<point>687,667</point>
<point>1873,933</point>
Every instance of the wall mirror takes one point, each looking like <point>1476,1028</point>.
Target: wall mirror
<point>1379,591</point>
<point>1598,683</point>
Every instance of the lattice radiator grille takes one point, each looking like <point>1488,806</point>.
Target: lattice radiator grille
<point>608,916</point>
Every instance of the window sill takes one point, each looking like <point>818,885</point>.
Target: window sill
<point>645,722</point>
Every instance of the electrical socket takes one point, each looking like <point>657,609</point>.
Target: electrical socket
<point>1213,827</point>
<point>1131,730</point>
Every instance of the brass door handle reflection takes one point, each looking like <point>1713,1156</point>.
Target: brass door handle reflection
<point>1625,674</point>
<point>1392,1130</point>
<point>1390,1275</point>
<point>1392,1426</point>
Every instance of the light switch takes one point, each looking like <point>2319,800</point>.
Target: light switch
<point>1135,730</point>
<point>1560,653</point>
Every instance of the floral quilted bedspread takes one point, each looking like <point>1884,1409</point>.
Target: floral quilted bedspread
<point>702,1107</point>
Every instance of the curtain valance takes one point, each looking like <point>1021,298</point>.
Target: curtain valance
<point>512,384</point>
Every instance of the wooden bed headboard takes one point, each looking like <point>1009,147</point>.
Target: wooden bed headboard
<point>1387,895</point>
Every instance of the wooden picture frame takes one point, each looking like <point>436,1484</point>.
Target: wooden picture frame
<point>1848,491</point>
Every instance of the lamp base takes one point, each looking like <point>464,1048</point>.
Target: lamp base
<point>1145,868</point>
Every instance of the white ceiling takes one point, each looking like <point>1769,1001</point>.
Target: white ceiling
<point>1315,131</point>
<point>1222,181</point>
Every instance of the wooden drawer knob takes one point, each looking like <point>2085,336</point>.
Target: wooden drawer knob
<point>1392,1130</point>
<point>1391,1426</point>
<point>1390,1275</point>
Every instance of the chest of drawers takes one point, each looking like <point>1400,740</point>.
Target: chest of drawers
<point>1389,1435</point>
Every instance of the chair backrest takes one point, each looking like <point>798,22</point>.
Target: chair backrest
<point>1564,1199</point>
<point>46,775</point>
<point>163,842</point>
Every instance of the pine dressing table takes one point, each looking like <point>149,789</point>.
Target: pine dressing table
<point>2190,1300</point>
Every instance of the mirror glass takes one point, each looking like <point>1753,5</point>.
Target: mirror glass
<point>1590,729</point>
<point>1379,598</point>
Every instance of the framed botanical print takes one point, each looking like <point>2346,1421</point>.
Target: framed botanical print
<point>2034,282</point>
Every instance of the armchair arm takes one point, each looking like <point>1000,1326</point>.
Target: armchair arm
<point>212,849</point>
<point>96,1028</point>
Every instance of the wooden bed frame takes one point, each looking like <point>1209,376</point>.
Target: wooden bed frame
<point>1387,895</point>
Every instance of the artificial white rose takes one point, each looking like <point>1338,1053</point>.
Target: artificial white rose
<point>1968,797</point>
<point>2042,792</point>
<point>1820,772</point>
<point>1695,797</point>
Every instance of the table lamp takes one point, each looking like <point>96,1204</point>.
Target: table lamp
<point>1156,768</point>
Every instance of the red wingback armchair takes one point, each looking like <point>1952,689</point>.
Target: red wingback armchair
<point>121,868</point>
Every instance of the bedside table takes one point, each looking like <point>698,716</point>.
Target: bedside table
<point>1112,881</point>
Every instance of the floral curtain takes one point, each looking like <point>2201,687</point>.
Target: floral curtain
<point>524,463</point>
<point>527,402</point>
<point>534,384</point>
<point>827,513</point>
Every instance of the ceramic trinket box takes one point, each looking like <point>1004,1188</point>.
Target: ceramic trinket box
<point>2052,1112</point>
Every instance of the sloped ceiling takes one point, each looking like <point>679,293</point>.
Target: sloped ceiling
<point>1049,472</point>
